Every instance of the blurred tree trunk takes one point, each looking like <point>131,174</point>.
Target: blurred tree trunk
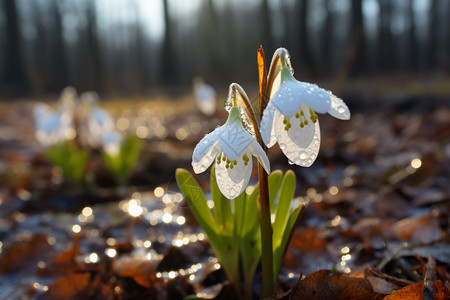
<point>385,46</point>
<point>355,55</point>
<point>15,79</point>
<point>303,42</point>
<point>168,69</point>
<point>58,64</point>
<point>94,64</point>
<point>266,34</point>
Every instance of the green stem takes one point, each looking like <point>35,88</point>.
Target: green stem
<point>266,233</point>
<point>248,282</point>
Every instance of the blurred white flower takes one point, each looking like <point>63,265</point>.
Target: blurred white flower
<point>229,145</point>
<point>96,121</point>
<point>205,97</point>
<point>56,125</point>
<point>111,142</point>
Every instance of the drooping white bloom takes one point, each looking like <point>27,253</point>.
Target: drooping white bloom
<point>96,121</point>
<point>290,117</point>
<point>111,142</point>
<point>205,97</point>
<point>231,147</point>
<point>56,125</point>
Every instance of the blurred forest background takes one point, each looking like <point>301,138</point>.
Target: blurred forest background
<point>138,47</point>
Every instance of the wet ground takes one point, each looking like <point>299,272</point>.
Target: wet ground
<point>378,211</point>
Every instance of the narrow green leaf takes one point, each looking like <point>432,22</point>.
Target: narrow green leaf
<point>197,203</point>
<point>274,186</point>
<point>222,207</point>
<point>251,223</point>
<point>280,251</point>
<point>239,214</point>
<point>287,190</point>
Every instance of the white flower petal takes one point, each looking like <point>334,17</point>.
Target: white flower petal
<point>315,97</point>
<point>300,145</point>
<point>111,141</point>
<point>232,182</point>
<point>266,127</point>
<point>206,150</point>
<point>338,109</point>
<point>234,140</point>
<point>257,151</point>
<point>205,161</point>
<point>276,85</point>
<point>287,98</point>
<point>206,143</point>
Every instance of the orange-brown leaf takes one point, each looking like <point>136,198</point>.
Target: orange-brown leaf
<point>70,287</point>
<point>141,270</point>
<point>262,73</point>
<point>415,292</point>
<point>324,284</point>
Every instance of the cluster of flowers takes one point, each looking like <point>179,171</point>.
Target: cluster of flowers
<point>289,119</point>
<point>82,119</point>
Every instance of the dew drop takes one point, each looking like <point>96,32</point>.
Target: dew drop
<point>297,161</point>
<point>341,109</point>
<point>203,168</point>
<point>303,155</point>
<point>282,146</point>
<point>290,162</point>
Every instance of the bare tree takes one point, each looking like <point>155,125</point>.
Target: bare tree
<point>14,69</point>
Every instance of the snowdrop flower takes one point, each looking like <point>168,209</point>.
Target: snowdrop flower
<point>231,147</point>
<point>56,125</point>
<point>290,117</point>
<point>97,121</point>
<point>205,97</point>
<point>111,142</point>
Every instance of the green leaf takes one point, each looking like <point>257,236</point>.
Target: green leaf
<point>287,191</point>
<point>280,251</point>
<point>250,242</point>
<point>197,203</point>
<point>71,159</point>
<point>274,186</point>
<point>222,207</point>
<point>251,214</point>
<point>122,164</point>
<point>239,214</point>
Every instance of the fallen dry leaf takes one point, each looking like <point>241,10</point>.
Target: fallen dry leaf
<point>417,229</point>
<point>415,292</point>
<point>24,254</point>
<point>141,270</point>
<point>324,284</point>
<point>73,286</point>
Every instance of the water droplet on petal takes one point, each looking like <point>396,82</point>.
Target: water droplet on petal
<point>341,109</point>
<point>290,162</point>
<point>303,155</point>
<point>282,146</point>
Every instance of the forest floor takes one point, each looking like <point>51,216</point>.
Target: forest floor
<point>376,225</point>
